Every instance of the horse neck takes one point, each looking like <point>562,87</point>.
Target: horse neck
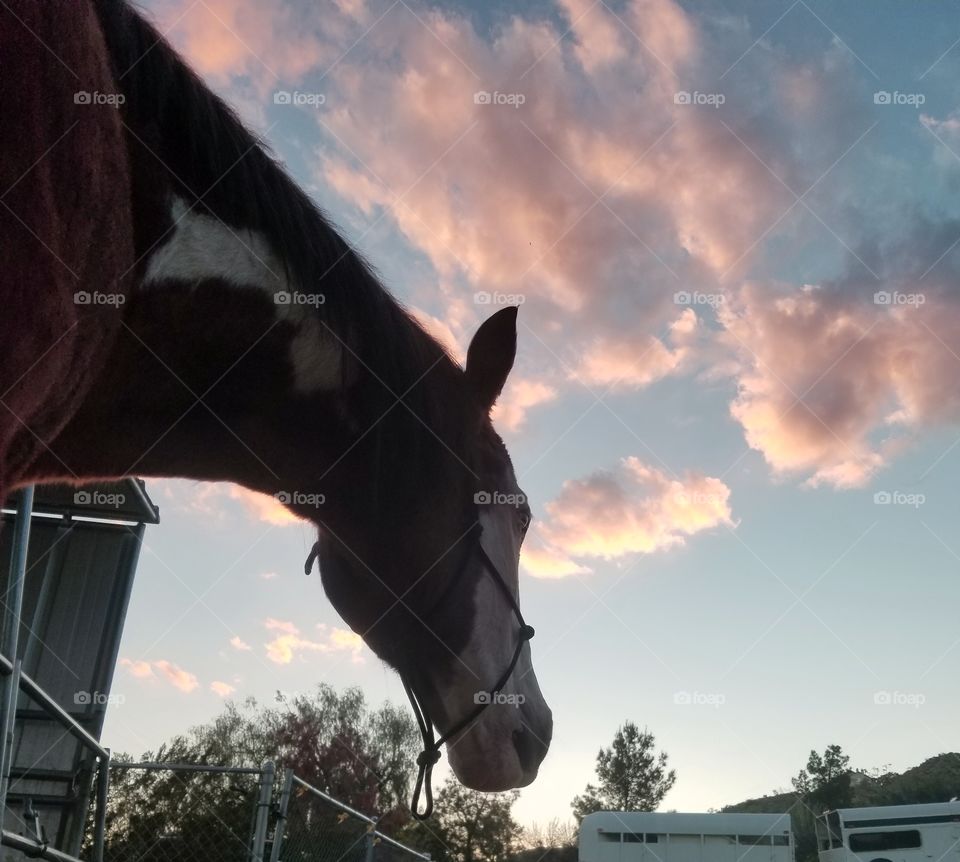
<point>222,369</point>
<point>210,375</point>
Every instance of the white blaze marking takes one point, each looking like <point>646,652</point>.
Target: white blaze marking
<point>202,247</point>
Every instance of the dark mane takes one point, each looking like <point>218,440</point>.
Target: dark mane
<point>207,152</point>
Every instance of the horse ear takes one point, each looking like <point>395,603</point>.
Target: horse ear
<point>491,354</point>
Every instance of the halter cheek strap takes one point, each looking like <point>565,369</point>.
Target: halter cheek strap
<point>430,755</point>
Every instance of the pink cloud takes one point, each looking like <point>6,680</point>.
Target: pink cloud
<point>637,361</point>
<point>290,644</point>
<point>222,502</point>
<point>830,387</point>
<point>224,38</point>
<point>263,507</point>
<point>521,395</point>
<point>177,677</point>
<point>632,509</point>
<point>507,197</point>
<point>174,674</point>
<point>239,644</point>
<point>139,669</point>
<point>222,689</point>
<point>285,626</point>
<point>548,563</point>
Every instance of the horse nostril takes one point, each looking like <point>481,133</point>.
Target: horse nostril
<point>530,749</point>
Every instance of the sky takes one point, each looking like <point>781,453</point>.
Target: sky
<point>733,230</point>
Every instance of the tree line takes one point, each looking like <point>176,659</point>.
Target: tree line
<point>366,758</point>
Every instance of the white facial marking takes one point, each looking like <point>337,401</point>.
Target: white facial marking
<point>201,247</point>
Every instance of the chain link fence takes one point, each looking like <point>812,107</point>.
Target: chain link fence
<point>315,827</point>
<point>158,812</point>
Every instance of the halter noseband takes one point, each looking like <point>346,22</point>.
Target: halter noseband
<point>430,755</point>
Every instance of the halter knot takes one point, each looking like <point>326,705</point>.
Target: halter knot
<point>428,757</point>
<point>526,632</point>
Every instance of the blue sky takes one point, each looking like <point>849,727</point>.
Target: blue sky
<point>739,561</point>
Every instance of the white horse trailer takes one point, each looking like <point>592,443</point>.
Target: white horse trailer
<point>892,833</point>
<point>641,836</point>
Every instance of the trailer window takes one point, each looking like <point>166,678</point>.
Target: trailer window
<point>870,842</point>
<point>612,837</point>
<point>633,838</point>
<point>754,839</point>
<point>652,838</point>
<point>781,840</point>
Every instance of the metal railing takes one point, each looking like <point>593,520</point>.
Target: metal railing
<point>312,826</point>
<point>13,681</point>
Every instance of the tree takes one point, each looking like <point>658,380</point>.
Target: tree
<point>632,776</point>
<point>825,783</point>
<point>333,740</point>
<point>468,826</point>
<point>554,842</point>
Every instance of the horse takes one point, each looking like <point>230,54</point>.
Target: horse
<point>174,305</point>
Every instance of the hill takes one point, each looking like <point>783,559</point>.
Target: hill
<point>935,780</point>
